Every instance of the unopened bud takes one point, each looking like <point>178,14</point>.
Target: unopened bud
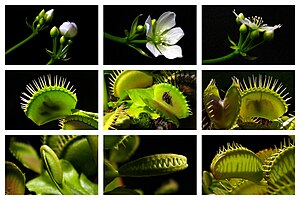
<point>268,35</point>
<point>241,15</point>
<point>62,40</point>
<point>54,32</point>
<point>140,28</point>
<point>254,35</point>
<point>243,29</point>
<point>41,21</point>
<point>42,13</point>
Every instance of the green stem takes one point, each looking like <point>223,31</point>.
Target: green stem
<point>246,41</point>
<point>21,43</point>
<point>123,40</point>
<point>255,46</point>
<point>221,59</point>
<point>54,45</point>
<point>51,61</point>
<point>241,39</point>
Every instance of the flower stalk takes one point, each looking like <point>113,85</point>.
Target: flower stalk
<point>254,26</point>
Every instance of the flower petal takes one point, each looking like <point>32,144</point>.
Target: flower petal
<point>148,23</point>
<point>152,48</point>
<point>170,52</point>
<point>173,36</point>
<point>269,28</point>
<point>165,21</point>
<point>246,21</point>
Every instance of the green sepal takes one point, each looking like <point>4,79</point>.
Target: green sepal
<point>230,40</point>
<point>139,50</point>
<point>133,27</point>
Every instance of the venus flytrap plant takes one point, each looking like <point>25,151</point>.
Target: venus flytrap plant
<point>262,103</point>
<point>62,157</point>
<point>54,98</point>
<point>250,38</point>
<point>143,97</point>
<point>120,148</point>
<point>237,170</point>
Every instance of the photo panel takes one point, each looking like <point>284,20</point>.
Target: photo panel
<point>248,99</point>
<point>149,100</point>
<point>150,164</point>
<point>51,100</point>
<point>248,34</point>
<point>149,34</point>
<point>74,41</point>
<point>248,164</point>
<point>51,164</point>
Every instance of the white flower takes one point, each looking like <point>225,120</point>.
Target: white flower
<point>256,23</point>
<point>162,37</point>
<point>68,29</point>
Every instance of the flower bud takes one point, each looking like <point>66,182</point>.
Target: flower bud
<point>54,32</point>
<point>62,40</point>
<point>41,21</point>
<point>68,29</point>
<point>153,21</point>
<point>241,15</point>
<point>49,16</point>
<point>254,35</point>
<point>70,42</point>
<point>42,13</point>
<point>243,29</point>
<point>140,28</point>
<point>268,35</point>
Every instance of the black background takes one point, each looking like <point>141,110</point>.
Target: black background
<point>224,81</point>
<point>85,83</point>
<point>84,49</point>
<point>179,144</point>
<point>119,18</point>
<point>218,22</point>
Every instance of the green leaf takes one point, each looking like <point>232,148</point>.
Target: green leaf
<point>42,185</point>
<point>122,191</point>
<point>154,165</point>
<point>133,27</point>
<point>110,173</point>
<point>134,111</point>
<point>26,154</point>
<point>231,41</point>
<point>14,179</point>
<point>113,141</point>
<point>72,182</point>
<point>139,50</point>
<point>125,151</point>
<point>87,185</point>
<point>137,95</point>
